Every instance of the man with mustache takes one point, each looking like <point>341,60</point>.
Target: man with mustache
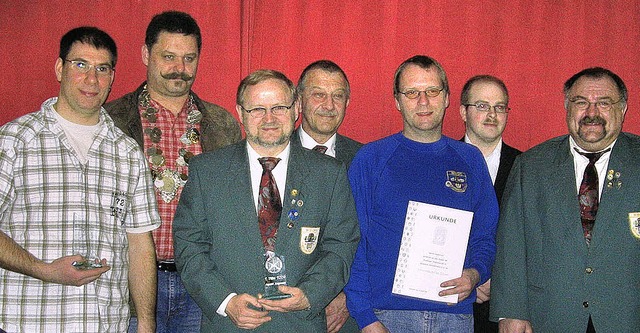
<point>484,107</point>
<point>568,245</point>
<point>172,124</point>
<point>418,166</point>
<point>260,209</point>
<point>324,93</point>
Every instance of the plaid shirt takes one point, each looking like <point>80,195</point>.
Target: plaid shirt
<point>44,191</point>
<point>172,127</point>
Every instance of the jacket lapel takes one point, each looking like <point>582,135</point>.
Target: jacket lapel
<point>297,172</point>
<point>563,201</point>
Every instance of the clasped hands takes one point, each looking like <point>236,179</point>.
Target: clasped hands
<point>248,311</point>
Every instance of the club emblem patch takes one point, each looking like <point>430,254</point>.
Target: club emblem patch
<point>456,181</point>
<point>309,239</point>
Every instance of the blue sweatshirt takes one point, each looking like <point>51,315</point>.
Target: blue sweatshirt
<point>385,175</point>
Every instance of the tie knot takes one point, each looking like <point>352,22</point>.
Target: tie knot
<point>320,148</point>
<point>268,163</point>
<point>593,157</point>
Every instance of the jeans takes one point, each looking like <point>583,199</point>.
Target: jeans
<point>401,321</point>
<point>176,312</point>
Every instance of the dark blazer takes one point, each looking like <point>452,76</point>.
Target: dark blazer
<point>544,271</point>
<point>219,248</point>
<point>346,148</point>
<point>218,128</point>
<point>481,322</point>
<point>507,157</point>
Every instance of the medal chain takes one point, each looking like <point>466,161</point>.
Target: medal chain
<point>167,181</point>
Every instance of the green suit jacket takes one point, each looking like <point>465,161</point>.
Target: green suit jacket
<point>219,248</point>
<point>544,271</point>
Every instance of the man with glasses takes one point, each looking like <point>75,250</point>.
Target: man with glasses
<point>172,124</point>
<point>262,212</point>
<point>484,107</point>
<point>76,206</point>
<point>568,240</point>
<point>418,166</point>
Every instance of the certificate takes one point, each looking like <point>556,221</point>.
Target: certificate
<point>432,250</point>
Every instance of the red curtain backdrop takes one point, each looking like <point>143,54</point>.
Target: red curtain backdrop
<point>534,46</point>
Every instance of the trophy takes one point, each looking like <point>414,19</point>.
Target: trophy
<point>275,275</point>
<point>82,245</point>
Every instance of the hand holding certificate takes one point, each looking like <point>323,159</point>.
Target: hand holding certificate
<point>432,250</point>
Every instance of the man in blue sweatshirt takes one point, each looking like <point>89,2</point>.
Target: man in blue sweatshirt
<point>417,165</point>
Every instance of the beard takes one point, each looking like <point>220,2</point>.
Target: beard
<point>267,144</point>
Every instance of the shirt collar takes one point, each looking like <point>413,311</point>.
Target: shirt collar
<point>576,150</point>
<point>308,142</point>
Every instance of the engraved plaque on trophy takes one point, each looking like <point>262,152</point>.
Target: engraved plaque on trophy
<point>275,275</point>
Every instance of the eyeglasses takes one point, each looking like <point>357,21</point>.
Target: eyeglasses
<point>602,105</point>
<point>83,67</point>
<point>486,107</point>
<point>260,112</point>
<point>414,93</point>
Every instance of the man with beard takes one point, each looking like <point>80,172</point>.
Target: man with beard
<point>263,212</point>
<point>324,96</point>
<point>560,267</point>
<point>484,107</point>
<point>172,124</point>
<point>418,166</point>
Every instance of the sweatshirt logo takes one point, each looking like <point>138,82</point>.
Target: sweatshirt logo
<point>457,181</point>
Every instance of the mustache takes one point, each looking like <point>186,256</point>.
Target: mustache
<point>327,113</point>
<point>271,125</point>
<point>597,120</point>
<point>177,75</point>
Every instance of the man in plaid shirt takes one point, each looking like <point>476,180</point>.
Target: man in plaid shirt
<point>172,124</point>
<point>76,206</point>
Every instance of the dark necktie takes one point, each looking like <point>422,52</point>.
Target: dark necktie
<point>269,205</point>
<point>320,148</point>
<point>588,194</point>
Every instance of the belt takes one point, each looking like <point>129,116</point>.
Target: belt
<point>166,266</point>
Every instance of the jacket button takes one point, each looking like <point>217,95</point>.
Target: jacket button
<point>585,304</point>
<point>589,270</point>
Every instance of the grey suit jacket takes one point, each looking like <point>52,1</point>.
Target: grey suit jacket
<point>219,248</point>
<point>544,271</point>
<point>346,148</point>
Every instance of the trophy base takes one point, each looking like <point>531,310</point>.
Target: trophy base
<point>86,264</point>
<point>276,296</point>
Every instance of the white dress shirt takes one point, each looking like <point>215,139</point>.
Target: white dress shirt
<point>280,175</point>
<point>308,142</point>
<point>493,160</point>
<point>580,163</point>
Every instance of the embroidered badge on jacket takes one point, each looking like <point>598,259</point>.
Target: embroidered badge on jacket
<point>309,239</point>
<point>457,181</point>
